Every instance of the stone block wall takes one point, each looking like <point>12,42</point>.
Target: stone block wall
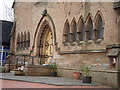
<point>28,16</point>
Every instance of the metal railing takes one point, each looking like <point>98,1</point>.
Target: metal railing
<point>29,60</point>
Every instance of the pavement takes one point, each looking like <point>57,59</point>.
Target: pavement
<point>58,81</point>
<point>19,84</point>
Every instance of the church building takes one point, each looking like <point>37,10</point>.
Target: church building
<point>72,34</point>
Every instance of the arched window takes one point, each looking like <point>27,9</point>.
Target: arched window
<point>81,30</point>
<point>89,29</point>
<point>73,32</point>
<point>18,41</point>
<point>99,29</point>
<point>21,40</point>
<point>28,39</point>
<point>66,33</point>
<point>24,39</point>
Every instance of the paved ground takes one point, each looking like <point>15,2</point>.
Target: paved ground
<point>10,81</point>
<point>20,84</point>
<point>47,80</point>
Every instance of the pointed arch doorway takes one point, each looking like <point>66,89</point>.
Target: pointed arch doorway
<point>46,45</point>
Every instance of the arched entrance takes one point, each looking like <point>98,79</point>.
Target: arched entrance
<point>46,45</point>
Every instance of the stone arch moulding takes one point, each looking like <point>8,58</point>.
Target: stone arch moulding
<point>98,17</point>
<point>97,14</point>
<point>88,17</point>
<point>45,20</point>
<point>81,29</point>
<point>66,30</point>
<point>89,28</point>
<point>73,30</point>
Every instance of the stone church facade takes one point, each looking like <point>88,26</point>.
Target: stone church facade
<point>71,33</point>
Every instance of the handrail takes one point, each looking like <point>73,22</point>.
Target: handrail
<point>25,60</point>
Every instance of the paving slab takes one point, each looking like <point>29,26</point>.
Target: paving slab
<point>59,81</point>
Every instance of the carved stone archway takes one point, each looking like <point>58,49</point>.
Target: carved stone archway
<point>45,40</point>
<point>46,45</point>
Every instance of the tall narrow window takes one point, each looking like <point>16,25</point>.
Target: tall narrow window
<point>18,42</point>
<point>66,33</point>
<point>28,39</point>
<point>73,32</point>
<point>24,39</point>
<point>81,30</point>
<point>21,40</point>
<point>99,28</point>
<point>89,29</point>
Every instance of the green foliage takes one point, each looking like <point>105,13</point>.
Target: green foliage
<point>54,67</point>
<point>86,70</point>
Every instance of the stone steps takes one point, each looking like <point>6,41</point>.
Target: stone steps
<point>37,71</point>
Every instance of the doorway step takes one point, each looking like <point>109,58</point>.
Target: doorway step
<point>35,70</point>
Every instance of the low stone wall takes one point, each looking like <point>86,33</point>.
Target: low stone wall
<point>65,72</point>
<point>37,71</point>
<point>107,77</point>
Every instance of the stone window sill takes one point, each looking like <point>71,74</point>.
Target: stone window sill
<point>89,41</point>
<point>81,42</point>
<point>73,43</point>
<point>98,41</point>
<point>66,44</point>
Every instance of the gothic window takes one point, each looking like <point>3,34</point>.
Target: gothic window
<point>73,32</point>
<point>99,28</point>
<point>21,41</point>
<point>24,39</point>
<point>66,33</point>
<point>28,39</point>
<point>89,29</point>
<point>18,42</point>
<point>81,30</point>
